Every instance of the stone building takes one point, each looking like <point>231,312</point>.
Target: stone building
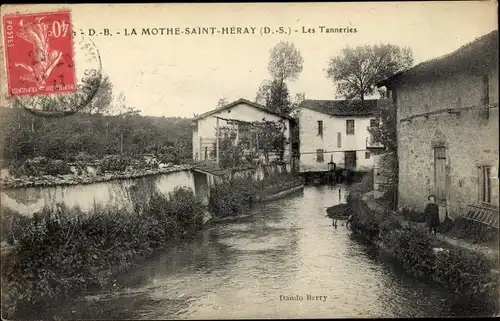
<point>447,128</point>
<point>336,131</point>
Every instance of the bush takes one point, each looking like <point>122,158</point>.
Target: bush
<point>413,248</point>
<point>57,167</point>
<point>412,215</point>
<point>60,253</point>
<point>230,196</point>
<point>364,220</point>
<point>458,269</point>
<point>390,223</point>
<point>474,232</point>
<point>466,273</point>
<point>115,163</point>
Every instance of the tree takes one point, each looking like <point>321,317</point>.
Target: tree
<point>278,98</point>
<point>286,62</point>
<point>101,102</point>
<point>357,70</point>
<point>222,102</point>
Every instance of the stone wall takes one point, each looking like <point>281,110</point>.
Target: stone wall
<point>470,138</point>
<point>120,193</point>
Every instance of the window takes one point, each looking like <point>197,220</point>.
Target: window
<point>320,127</point>
<point>320,155</point>
<point>350,126</point>
<point>485,184</point>
<point>486,90</point>
<point>367,155</point>
<point>339,140</point>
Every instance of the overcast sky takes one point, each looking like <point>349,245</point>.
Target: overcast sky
<point>186,74</point>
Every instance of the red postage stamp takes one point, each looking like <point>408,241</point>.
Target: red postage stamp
<point>39,53</point>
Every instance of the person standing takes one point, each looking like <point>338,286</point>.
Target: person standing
<point>432,214</point>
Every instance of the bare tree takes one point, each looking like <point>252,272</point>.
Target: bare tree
<point>357,70</point>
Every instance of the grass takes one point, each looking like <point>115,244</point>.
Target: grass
<point>58,254</point>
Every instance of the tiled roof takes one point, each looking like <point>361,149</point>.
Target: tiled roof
<point>342,107</point>
<point>242,101</point>
<point>473,58</point>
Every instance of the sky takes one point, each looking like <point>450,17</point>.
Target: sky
<point>183,75</point>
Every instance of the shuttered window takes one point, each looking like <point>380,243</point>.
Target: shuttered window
<point>350,126</point>
<point>485,184</point>
<point>320,155</point>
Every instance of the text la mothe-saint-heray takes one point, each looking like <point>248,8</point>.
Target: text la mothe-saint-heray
<point>232,30</point>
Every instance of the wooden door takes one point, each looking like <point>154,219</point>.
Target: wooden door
<point>440,174</point>
<point>350,160</point>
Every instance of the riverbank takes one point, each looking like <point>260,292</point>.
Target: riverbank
<point>61,254</point>
<point>454,266</point>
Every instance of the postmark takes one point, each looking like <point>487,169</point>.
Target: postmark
<point>58,76</point>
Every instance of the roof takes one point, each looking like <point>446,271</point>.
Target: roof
<point>472,58</point>
<point>342,107</point>
<point>242,101</point>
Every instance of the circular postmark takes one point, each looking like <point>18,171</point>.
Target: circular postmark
<point>88,76</point>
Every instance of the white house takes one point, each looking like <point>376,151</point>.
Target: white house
<point>336,131</point>
<point>241,110</point>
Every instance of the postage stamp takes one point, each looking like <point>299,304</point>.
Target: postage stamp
<point>52,68</point>
<point>39,53</point>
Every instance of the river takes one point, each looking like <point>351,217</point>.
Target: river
<point>248,266</point>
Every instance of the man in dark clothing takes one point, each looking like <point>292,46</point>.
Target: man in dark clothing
<point>432,214</point>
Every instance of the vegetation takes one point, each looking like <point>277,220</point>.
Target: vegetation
<point>461,270</point>
<point>475,232</point>
<point>57,254</point>
<point>356,71</point>
<point>285,64</point>
<point>231,196</point>
<point>25,136</point>
<point>255,138</point>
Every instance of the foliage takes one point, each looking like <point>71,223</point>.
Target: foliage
<point>60,253</point>
<point>475,232</point>
<point>26,136</point>
<point>57,167</point>
<point>228,197</point>
<point>115,163</point>
<point>413,248</point>
<point>222,102</point>
<point>364,221</point>
<point>231,196</point>
<point>390,223</point>
<point>264,137</point>
<point>466,273</point>
<point>286,62</point>
<point>101,102</point>
<point>459,269</point>
<point>272,138</point>
<point>357,70</point>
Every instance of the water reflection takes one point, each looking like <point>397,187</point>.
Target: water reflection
<point>243,267</point>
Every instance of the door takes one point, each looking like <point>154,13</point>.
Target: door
<point>350,160</point>
<point>440,174</point>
